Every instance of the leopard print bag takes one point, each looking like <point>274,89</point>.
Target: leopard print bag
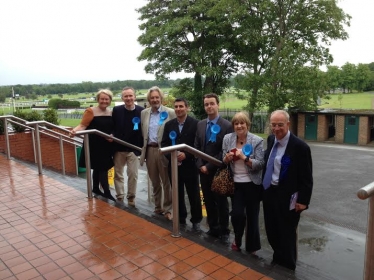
<point>223,181</point>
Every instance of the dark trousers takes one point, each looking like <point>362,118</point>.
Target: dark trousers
<point>217,207</point>
<point>189,178</point>
<point>245,211</point>
<point>281,226</point>
<point>100,177</point>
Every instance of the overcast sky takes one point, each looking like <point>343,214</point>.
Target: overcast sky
<point>70,41</point>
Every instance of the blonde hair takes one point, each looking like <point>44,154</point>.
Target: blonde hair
<point>160,93</point>
<point>241,117</point>
<point>106,92</point>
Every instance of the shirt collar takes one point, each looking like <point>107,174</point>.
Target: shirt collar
<point>283,142</point>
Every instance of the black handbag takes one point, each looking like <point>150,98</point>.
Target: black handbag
<point>223,181</point>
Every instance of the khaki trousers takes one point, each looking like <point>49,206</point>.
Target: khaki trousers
<point>120,160</point>
<point>157,165</point>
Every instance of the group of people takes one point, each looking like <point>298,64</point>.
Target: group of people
<point>280,176</point>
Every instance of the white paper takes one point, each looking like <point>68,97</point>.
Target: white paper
<point>293,200</point>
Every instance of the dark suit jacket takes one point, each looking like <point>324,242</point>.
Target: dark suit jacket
<point>295,176</point>
<point>213,149</point>
<point>186,136</point>
<point>124,128</point>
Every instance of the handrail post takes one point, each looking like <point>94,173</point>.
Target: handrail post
<point>62,155</point>
<point>6,134</point>
<point>174,191</point>
<point>369,250</point>
<point>88,164</point>
<point>38,150</point>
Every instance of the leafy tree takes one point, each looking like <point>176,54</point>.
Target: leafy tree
<point>277,38</point>
<point>363,76</point>
<point>50,115</point>
<point>28,116</point>
<point>334,78</point>
<point>188,36</point>
<point>348,77</point>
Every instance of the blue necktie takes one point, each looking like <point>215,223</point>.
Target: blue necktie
<point>270,167</point>
<point>208,132</point>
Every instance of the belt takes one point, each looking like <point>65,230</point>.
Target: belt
<point>152,145</point>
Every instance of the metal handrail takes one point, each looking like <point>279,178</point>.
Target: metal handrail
<point>174,176</point>
<point>87,151</point>
<point>364,193</point>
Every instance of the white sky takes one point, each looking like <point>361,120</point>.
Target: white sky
<point>70,41</point>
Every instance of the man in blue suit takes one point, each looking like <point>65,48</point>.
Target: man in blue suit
<point>124,129</point>
<point>188,176</point>
<point>288,184</point>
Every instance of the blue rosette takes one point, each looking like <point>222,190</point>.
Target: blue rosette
<point>215,129</point>
<point>172,136</point>
<point>163,116</point>
<point>247,149</point>
<point>136,122</point>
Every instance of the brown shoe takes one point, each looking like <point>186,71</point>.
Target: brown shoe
<point>120,199</point>
<point>131,201</point>
<point>168,216</point>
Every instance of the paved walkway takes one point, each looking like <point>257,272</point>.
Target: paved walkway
<point>49,230</point>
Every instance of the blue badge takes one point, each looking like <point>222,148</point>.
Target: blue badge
<point>215,129</point>
<point>172,136</point>
<point>247,149</point>
<point>163,116</point>
<point>136,122</point>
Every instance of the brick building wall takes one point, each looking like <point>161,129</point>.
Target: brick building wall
<point>339,129</point>
<point>21,147</point>
<point>322,128</point>
<point>363,131</point>
<point>301,126</point>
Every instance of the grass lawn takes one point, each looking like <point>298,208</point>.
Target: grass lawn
<point>349,101</point>
<point>70,122</point>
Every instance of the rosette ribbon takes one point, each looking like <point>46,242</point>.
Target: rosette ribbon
<point>172,136</point>
<point>247,149</point>
<point>163,117</point>
<point>136,122</point>
<point>215,129</point>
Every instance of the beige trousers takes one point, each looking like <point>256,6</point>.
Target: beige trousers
<point>157,166</point>
<point>120,160</point>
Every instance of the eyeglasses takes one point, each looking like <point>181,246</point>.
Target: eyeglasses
<point>280,125</point>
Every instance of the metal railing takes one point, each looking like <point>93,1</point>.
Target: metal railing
<point>86,140</point>
<point>364,193</point>
<point>174,176</point>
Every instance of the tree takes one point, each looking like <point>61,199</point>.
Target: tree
<point>334,78</point>
<point>278,38</point>
<point>348,77</point>
<point>188,36</point>
<point>363,76</point>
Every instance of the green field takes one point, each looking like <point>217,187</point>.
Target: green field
<point>349,101</point>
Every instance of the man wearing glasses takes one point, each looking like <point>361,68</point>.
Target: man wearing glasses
<point>288,184</point>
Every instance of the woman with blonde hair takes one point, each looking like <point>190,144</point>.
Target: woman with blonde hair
<point>101,150</point>
<point>247,168</point>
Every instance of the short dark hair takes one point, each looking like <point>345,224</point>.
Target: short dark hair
<point>181,99</point>
<point>210,95</point>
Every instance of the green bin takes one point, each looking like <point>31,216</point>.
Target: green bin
<point>80,169</point>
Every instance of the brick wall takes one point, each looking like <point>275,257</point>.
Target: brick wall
<point>363,131</point>
<point>301,126</point>
<point>339,129</point>
<point>322,128</point>
<point>21,148</point>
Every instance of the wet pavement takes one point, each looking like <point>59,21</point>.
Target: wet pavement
<point>331,232</point>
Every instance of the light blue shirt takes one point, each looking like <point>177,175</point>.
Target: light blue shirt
<point>214,121</point>
<point>278,158</point>
<point>153,126</point>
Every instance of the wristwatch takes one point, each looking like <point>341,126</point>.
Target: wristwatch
<point>246,159</point>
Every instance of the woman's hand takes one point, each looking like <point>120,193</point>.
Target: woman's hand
<point>72,133</point>
<point>228,157</point>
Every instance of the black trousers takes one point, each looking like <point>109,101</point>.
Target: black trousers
<point>245,211</point>
<point>281,226</point>
<point>189,178</point>
<point>100,177</point>
<point>217,207</point>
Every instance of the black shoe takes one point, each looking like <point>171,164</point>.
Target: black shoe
<point>97,192</point>
<point>196,226</point>
<point>213,233</point>
<point>225,238</point>
<point>108,195</point>
<point>182,221</point>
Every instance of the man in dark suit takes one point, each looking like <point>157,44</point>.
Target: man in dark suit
<point>188,176</point>
<point>216,205</point>
<point>124,129</point>
<point>288,184</point>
